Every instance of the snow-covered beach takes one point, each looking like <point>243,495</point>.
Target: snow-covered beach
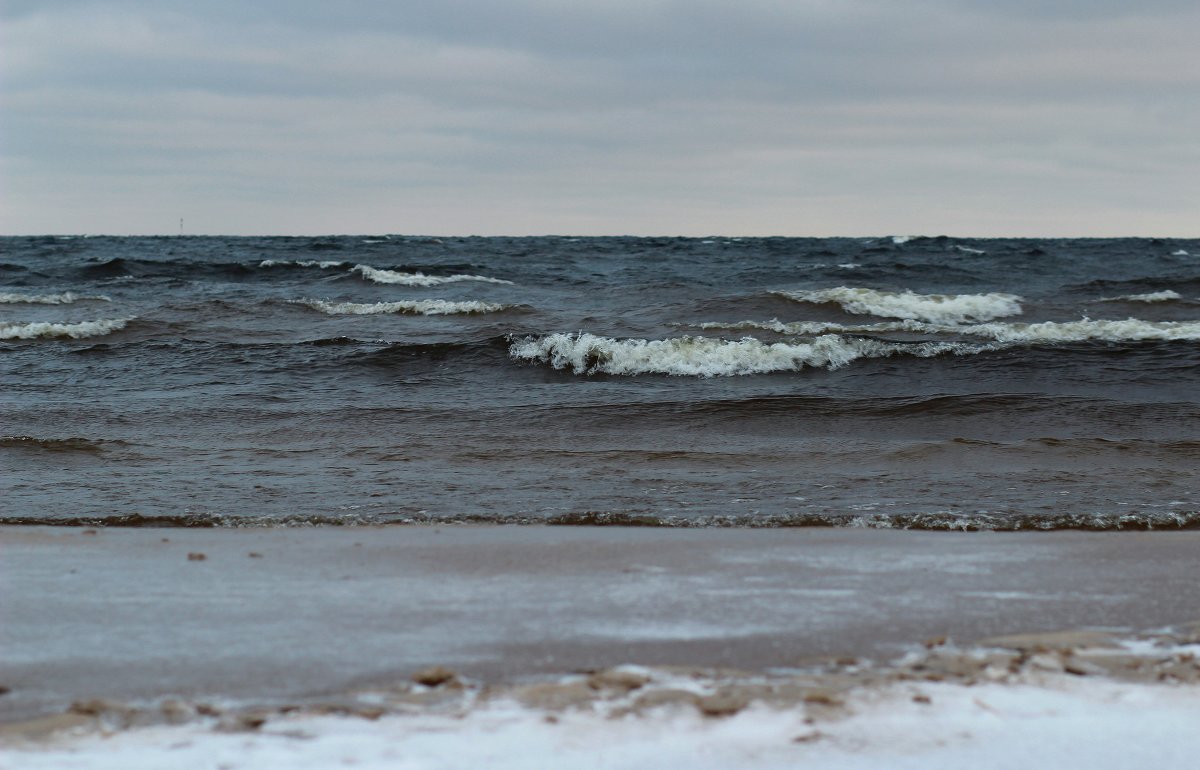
<point>596,647</point>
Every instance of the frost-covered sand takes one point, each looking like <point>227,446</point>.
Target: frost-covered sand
<point>1024,703</point>
<point>503,647</point>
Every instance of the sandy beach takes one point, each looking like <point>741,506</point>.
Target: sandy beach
<point>269,614</point>
<point>125,629</point>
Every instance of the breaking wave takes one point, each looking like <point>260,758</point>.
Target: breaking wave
<point>1129,330</point>
<point>935,308</point>
<point>418,279</point>
<point>827,327</point>
<point>1154,296</point>
<point>323,264</point>
<point>418,307</point>
<point>45,330</point>
<point>65,298</point>
<point>1085,330</point>
<point>584,353</point>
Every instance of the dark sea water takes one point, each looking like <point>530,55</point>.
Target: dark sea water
<point>924,382</point>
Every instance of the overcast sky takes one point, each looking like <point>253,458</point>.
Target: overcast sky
<point>754,117</point>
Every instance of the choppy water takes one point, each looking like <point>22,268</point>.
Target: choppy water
<point>925,382</point>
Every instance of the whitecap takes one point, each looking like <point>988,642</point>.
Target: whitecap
<point>323,264</point>
<point>1180,253</point>
<point>584,353</point>
<point>1128,330</point>
<point>812,328</point>
<point>45,330</point>
<point>969,250</point>
<point>1154,296</point>
<point>936,308</point>
<point>65,298</point>
<point>418,279</point>
<point>901,239</point>
<point>419,307</point>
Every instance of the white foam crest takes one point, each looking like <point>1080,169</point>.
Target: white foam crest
<point>1128,330</point>
<point>828,327</point>
<point>323,264</point>
<point>936,308</point>
<point>65,298</point>
<point>45,330</point>
<point>969,250</point>
<point>418,279</point>
<point>901,239</point>
<point>1154,296</point>
<point>420,307</point>
<point>585,353</point>
<point>1180,253</point>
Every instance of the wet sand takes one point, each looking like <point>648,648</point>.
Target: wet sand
<point>274,614</point>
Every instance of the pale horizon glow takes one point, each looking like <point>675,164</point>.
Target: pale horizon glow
<point>526,117</point>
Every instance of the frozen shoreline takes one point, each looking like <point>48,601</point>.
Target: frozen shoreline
<point>1086,700</point>
<point>319,631</point>
<point>125,614</point>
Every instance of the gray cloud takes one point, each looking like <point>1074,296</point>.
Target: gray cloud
<point>810,117</point>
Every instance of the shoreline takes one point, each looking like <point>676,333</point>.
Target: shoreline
<point>274,615</point>
<point>1083,699</point>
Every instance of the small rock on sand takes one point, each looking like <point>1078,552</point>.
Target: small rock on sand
<point>435,676</point>
<point>822,697</point>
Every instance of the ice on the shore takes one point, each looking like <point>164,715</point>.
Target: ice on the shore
<point>1063,723</point>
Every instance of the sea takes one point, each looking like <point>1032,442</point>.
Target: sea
<point>908,382</point>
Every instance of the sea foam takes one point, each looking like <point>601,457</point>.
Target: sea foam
<point>65,298</point>
<point>1154,296</point>
<point>418,279</point>
<point>1128,330</point>
<point>419,307</point>
<point>807,328</point>
<point>936,308</point>
<point>323,264</point>
<point>584,353</point>
<point>44,330</point>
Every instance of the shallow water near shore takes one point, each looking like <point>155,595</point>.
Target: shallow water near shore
<point>938,383</point>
